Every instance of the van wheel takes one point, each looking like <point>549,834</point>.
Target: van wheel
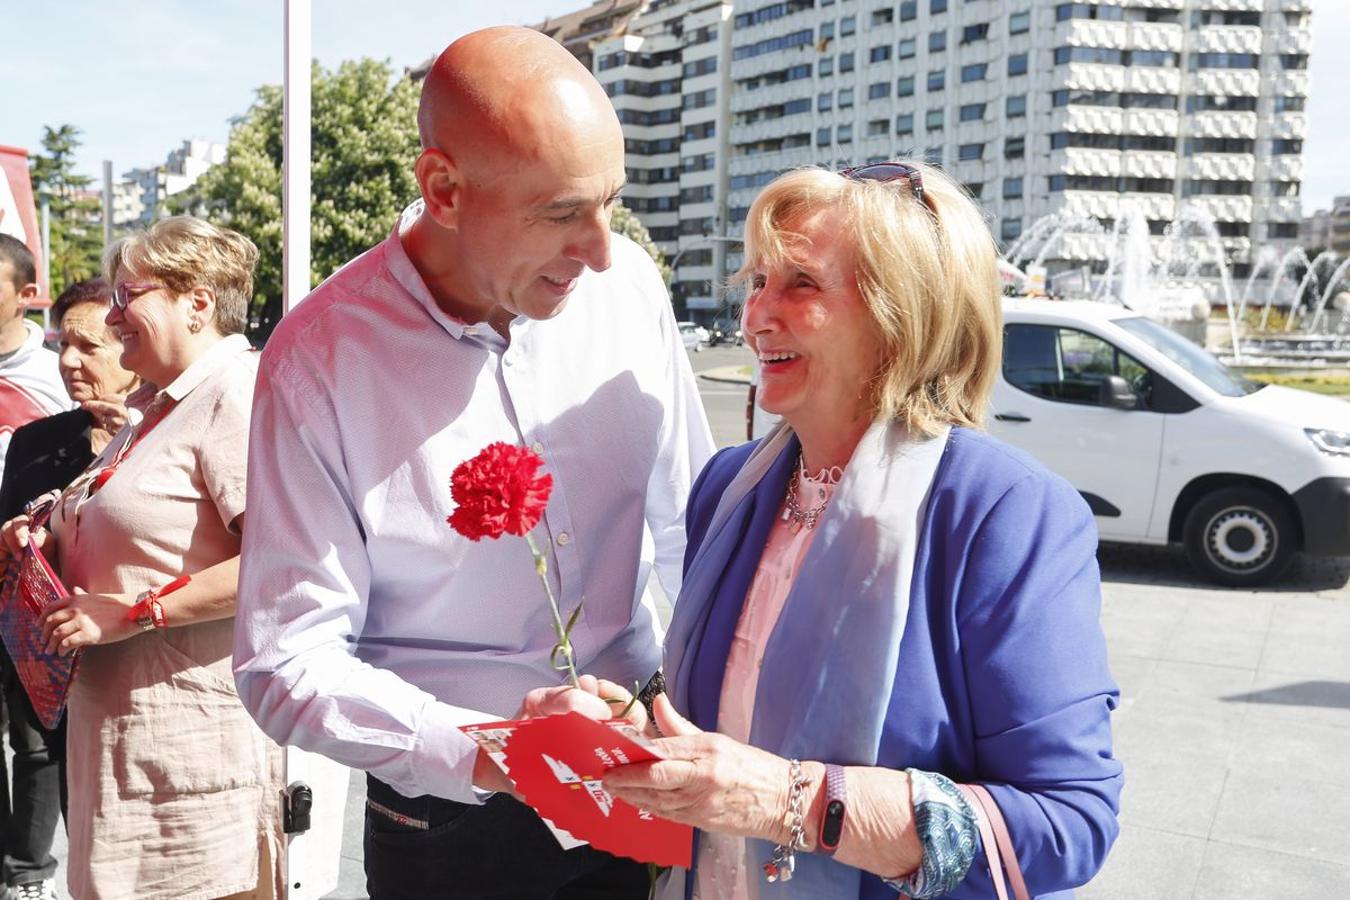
<point>1239,537</point>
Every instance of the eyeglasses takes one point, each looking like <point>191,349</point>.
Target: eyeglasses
<point>124,293</point>
<point>892,171</point>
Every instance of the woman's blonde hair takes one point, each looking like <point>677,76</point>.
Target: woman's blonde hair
<point>927,273</point>
<point>184,252</point>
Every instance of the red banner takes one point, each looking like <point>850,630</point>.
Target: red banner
<point>18,215</point>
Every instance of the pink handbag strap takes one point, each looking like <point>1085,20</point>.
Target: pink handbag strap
<point>998,847</point>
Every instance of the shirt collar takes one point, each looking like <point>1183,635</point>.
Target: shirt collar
<point>217,356</point>
<point>405,273</point>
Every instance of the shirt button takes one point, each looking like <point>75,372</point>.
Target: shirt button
<point>537,447</point>
<point>564,539</point>
<point>506,360</point>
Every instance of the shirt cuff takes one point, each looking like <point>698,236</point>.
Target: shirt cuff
<point>948,833</point>
<point>444,757</point>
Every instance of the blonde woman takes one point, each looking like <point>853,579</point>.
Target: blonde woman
<point>173,789</point>
<point>880,602</point>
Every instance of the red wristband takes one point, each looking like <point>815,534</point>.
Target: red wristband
<point>148,611</point>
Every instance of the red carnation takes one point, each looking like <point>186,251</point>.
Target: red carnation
<point>499,491</point>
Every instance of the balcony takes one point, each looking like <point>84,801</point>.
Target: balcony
<point>1288,125</point>
<point>1151,122</point>
<point>1085,161</point>
<point>1155,36</point>
<point>1095,77</point>
<point>1291,83</point>
<point>1224,82</point>
<point>1284,168</point>
<point>1227,39</point>
<point>772,95</point>
<point>1292,41</point>
<point>1138,164</point>
<point>1152,80</point>
<point>1108,119</point>
<point>1105,205</point>
<point>1222,124</point>
<point>1224,209</point>
<point>1221,167</point>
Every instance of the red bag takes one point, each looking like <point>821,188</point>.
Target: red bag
<point>29,587</point>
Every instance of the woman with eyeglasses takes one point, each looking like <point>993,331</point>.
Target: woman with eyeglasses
<point>880,602</point>
<point>174,792</point>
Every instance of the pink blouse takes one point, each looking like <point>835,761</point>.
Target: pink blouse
<point>722,870</point>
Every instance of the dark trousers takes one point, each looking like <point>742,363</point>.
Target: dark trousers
<point>428,847</point>
<point>30,811</point>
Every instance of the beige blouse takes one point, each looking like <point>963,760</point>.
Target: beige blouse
<point>174,792</point>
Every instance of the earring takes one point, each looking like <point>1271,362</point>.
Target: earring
<point>194,326</point>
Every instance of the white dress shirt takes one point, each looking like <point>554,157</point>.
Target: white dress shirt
<point>30,387</point>
<point>367,630</point>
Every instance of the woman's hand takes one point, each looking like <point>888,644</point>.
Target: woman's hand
<point>707,780</point>
<point>109,412</point>
<point>82,620</point>
<point>16,534</point>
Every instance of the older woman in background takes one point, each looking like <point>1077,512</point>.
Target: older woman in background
<point>880,602</point>
<point>47,454</point>
<point>174,792</point>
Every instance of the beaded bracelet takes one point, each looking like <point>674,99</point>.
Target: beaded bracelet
<point>783,861</point>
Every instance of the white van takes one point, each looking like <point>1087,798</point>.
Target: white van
<point>1167,445</point>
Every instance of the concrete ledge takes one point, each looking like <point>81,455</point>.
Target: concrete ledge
<point>726,375</point>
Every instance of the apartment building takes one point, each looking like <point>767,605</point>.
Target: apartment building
<point>667,75</point>
<point>139,198</point>
<point>1183,107</point>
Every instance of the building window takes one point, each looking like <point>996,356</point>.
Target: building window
<point>826,66</point>
<point>904,87</point>
<point>909,10</point>
<point>848,25</point>
<point>882,16</point>
<point>972,33</point>
<point>825,101</point>
<point>877,127</point>
<point>1014,147</point>
<point>1017,64</point>
<point>843,134</point>
<point>937,6</point>
<point>968,152</point>
<point>1282,229</point>
<point>906,49</point>
<point>904,123</point>
<point>878,91</point>
<point>845,98</point>
<point>933,120</point>
<point>1019,22</point>
<point>974,188</point>
<point>1284,188</point>
<point>937,80</point>
<point>972,112</point>
<point>827,30</point>
<point>880,54</point>
<point>1015,107</point>
<point>822,137</point>
<point>1066,11</point>
<point>933,156</point>
<point>846,62</point>
<point>1286,146</point>
<point>1294,61</point>
<point>1290,104</point>
<point>937,41</point>
<point>1219,145</point>
<point>974,72</point>
<point>1010,229</point>
<point>1012,188</point>
<point>1219,103</point>
<point>1224,61</point>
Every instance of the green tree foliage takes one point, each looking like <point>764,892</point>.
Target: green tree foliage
<point>76,227</point>
<point>626,223</point>
<point>365,143</point>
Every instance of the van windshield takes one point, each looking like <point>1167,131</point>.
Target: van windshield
<point>1196,360</point>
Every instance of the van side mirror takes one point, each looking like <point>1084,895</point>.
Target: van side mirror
<point>1115,393</point>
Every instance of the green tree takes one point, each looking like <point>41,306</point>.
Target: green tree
<point>76,229</point>
<point>364,134</point>
<point>626,223</point>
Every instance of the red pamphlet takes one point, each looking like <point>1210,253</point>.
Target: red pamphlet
<point>556,764</point>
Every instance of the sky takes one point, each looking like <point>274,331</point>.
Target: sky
<point>140,76</point>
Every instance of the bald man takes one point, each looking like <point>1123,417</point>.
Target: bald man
<point>500,309</point>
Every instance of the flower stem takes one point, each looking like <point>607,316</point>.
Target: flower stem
<point>564,645</point>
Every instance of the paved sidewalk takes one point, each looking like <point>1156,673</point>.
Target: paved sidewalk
<point>1234,727</point>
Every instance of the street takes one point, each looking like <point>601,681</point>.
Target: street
<point>1233,723</point>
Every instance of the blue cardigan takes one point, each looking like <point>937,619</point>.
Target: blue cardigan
<point>1002,676</point>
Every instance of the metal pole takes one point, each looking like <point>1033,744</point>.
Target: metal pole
<point>107,203</point>
<point>296,155</point>
<point>46,243</point>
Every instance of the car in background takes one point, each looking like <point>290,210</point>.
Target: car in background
<point>726,329</point>
<point>695,336</point>
<point>1167,445</point>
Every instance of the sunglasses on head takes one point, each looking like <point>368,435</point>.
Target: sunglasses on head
<point>124,293</point>
<point>892,171</point>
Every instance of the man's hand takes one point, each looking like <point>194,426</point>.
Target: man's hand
<point>82,620</point>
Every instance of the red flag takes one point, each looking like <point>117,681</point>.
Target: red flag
<point>18,215</point>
